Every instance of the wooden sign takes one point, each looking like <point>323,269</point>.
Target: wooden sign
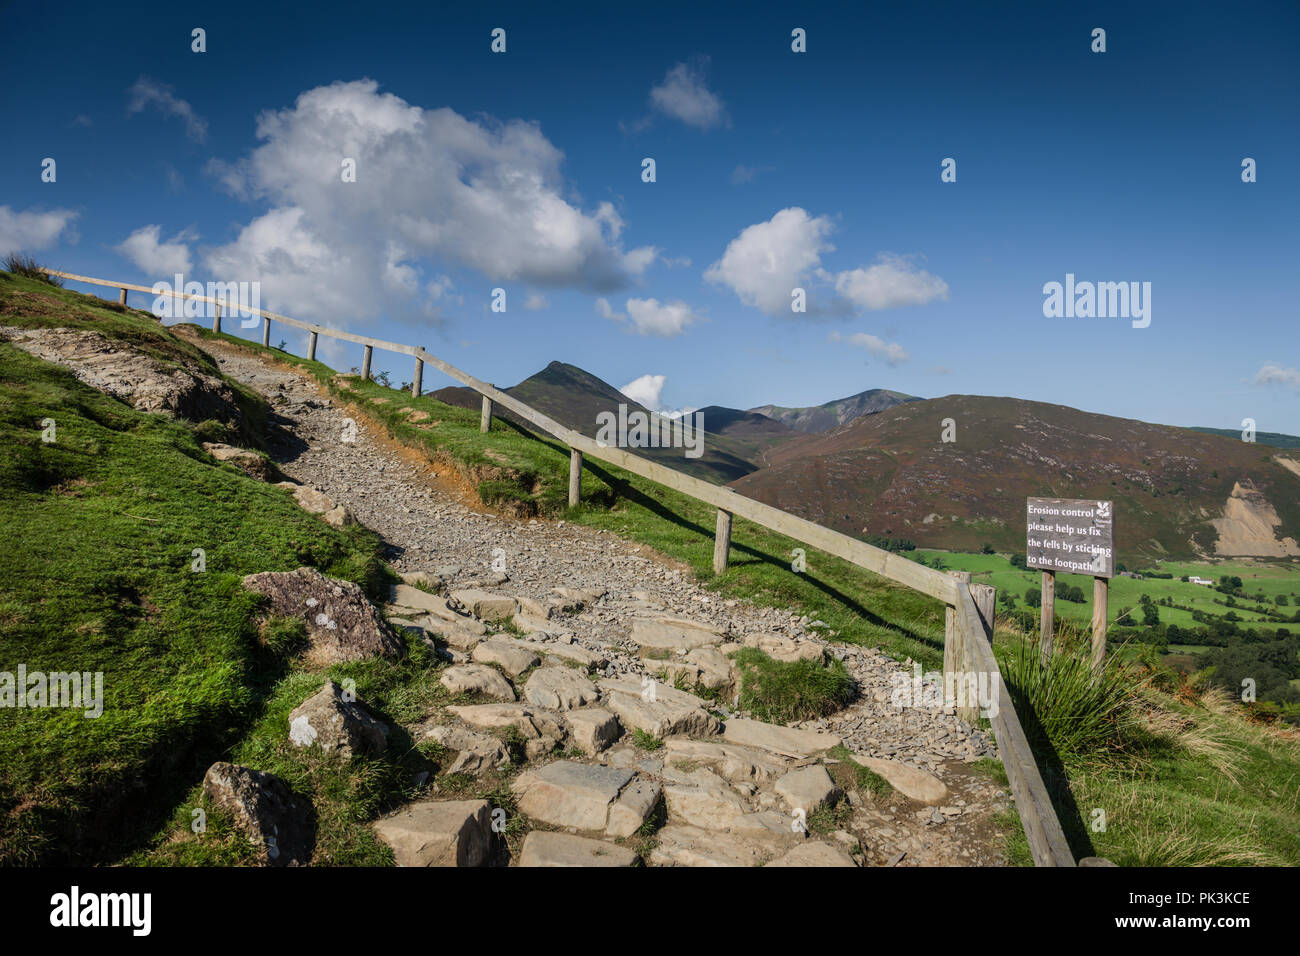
<point>1071,536</point>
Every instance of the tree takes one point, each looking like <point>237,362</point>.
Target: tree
<point>1017,560</point>
<point>1150,616</point>
<point>1280,600</point>
<point>987,548</point>
<point>1034,597</point>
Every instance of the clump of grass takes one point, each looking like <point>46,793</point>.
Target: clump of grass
<point>867,781</point>
<point>646,740</point>
<point>20,265</point>
<point>780,691</point>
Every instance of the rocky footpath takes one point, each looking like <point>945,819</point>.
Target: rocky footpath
<point>611,674</point>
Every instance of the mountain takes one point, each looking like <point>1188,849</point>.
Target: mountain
<point>821,418</point>
<point>1272,439</point>
<point>1178,493</point>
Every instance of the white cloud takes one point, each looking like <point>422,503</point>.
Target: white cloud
<point>157,258</point>
<point>646,390</point>
<point>28,230</point>
<point>147,92</point>
<point>1273,374</point>
<point>650,317</point>
<point>606,311</point>
<point>684,96</point>
<point>891,352</point>
<point>437,186</point>
<point>769,260</point>
<point>889,284</point>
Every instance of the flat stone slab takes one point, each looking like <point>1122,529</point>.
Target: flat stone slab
<point>808,789</point>
<point>464,634</point>
<point>570,794</point>
<point>911,782</point>
<point>485,605</point>
<point>706,801</point>
<point>566,652</point>
<point>684,845</point>
<point>544,848</point>
<point>667,714</point>
<point>477,679</point>
<point>404,595</point>
<point>736,763</point>
<point>440,833</point>
<point>476,752</point>
<point>559,688</point>
<point>790,741</point>
<point>668,635</point>
<point>814,854</point>
<point>541,730</point>
<point>512,658</point>
<point>787,649</point>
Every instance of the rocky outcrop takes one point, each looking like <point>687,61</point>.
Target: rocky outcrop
<point>264,809</point>
<point>342,624</point>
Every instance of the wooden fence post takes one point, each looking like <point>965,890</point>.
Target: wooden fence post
<point>722,541</point>
<point>1047,619</point>
<point>419,377</point>
<point>1100,593</point>
<point>954,658</point>
<point>365,363</point>
<point>575,477</point>
<point>985,599</point>
<point>216,321</point>
<point>122,298</point>
<point>311,348</point>
<point>485,420</point>
<point>266,332</point>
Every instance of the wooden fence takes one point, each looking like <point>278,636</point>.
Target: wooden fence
<point>968,649</point>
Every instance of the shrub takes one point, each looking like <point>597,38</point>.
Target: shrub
<point>21,265</point>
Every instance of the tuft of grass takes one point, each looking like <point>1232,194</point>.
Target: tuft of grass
<point>646,740</point>
<point>866,780</point>
<point>780,691</point>
<point>23,265</point>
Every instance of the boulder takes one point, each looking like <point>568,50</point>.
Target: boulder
<point>316,502</point>
<point>660,636</point>
<point>265,810</point>
<point>544,848</point>
<point>542,731</point>
<point>477,679</point>
<point>732,761</point>
<point>342,624</point>
<point>706,801</point>
<point>336,725</point>
<point>559,688</point>
<point>585,797</point>
<point>786,649</point>
<point>911,782</point>
<point>808,789</point>
<point>789,741</point>
<point>670,712</point>
<point>509,655</point>
<point>475,752</point>
<point>249,462</point>
<point>593,728</point>
<point>440,833</point>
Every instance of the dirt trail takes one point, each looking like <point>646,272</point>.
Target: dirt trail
<point>420,511</point>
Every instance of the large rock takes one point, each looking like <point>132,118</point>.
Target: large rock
<point>785,649</point>
<point>814,854</point>
<point>732,761</point>
<point>440,833</point>
<point>670,712</point>
<point>911,782</point>
<point>316,502</point>
<point>541,731</point>
<point>593,729</point>
<point>660,636</point>
<point>476,752</point>
<point>507,654</point>
<point>477,679</point>
<point>586,797</point>
<point>707,801</point>
<point>789,741</point>
<point>559,688</point>
<point>336,725</point>
<point>486,606</point>
<point>342,624</point>
<point>808,789</point>
<point>265,810</point>
<point>566,652</point>
<point>249,462</point>
<point>544,848</point>
<point>463,635</point>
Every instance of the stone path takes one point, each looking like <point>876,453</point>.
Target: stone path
<point>594,612</point>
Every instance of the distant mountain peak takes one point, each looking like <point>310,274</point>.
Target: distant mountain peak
<point>821,418</point>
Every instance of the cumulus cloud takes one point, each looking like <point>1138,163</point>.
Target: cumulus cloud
<point>1273,374</point>
<point>769,260</point>
<point>431,185</point>
<point>146,93</point>
<point>646,390</point>
<point>151,255</point>
<point>650,317</point>
<point>28,230</point>
<point>891,352</point>
<point>684,95</point>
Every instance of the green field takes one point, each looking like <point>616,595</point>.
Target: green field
<point>1272,578</point>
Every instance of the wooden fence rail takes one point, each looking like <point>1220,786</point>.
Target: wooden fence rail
<point>968,635</point>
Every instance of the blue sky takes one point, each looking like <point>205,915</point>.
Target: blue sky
<point>774,169</point>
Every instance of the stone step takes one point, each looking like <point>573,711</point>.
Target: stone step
<point>545,848</point>
<point>789,741</point>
